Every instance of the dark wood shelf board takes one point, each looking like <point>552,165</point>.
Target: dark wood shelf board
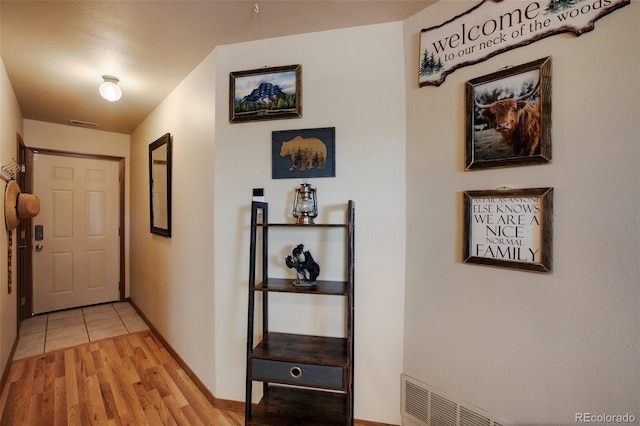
<point>318,350</point>
<point>290,406</point>
<point>302,225</point>
<point>285,285</point>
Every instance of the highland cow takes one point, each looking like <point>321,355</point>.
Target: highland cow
<point>518,121</point>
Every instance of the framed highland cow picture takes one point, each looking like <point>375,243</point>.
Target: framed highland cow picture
<point>508,117</point>
<point>265,94</point>
<point>306,153</point>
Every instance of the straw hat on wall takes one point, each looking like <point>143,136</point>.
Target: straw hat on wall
<point>19,205</point>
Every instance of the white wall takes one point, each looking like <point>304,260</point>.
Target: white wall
<point>172,278</point>
<point>351,81</point>
<point>10,126</point>
<point>531,348</point>
<point>75,139</point>
<point>193,286</point>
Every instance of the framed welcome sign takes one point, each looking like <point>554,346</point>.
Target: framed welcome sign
<point>496,26</point>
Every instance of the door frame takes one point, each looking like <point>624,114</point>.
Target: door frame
<point>25,279</point>
<point>23,240</point>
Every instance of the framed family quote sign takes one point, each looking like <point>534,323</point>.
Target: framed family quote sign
<point>509,228</point>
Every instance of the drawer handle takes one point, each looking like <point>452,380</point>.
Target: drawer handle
<point>295,372</point>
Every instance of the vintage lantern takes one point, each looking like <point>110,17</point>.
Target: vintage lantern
<point>305,205</point>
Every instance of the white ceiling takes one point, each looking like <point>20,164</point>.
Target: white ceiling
<point>55,52</point>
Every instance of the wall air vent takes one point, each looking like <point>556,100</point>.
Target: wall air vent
<point>416,401</point>
<point>83,123</point>
<point>425,406</point>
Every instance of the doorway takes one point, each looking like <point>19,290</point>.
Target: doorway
<point>77,242</point>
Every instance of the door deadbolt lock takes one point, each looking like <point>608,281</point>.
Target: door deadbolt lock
<point>39,232</point>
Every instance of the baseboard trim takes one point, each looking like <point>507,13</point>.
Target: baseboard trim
<point>229,405</point>
<point>7,367</point>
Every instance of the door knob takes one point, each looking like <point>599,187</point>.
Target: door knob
<point>39,247</point>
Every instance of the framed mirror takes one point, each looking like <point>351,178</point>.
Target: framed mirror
<point>160,185</point>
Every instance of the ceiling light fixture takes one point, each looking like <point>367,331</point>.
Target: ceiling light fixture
<point>110,89</point>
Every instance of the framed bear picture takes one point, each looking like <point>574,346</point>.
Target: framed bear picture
<point>305,153</point>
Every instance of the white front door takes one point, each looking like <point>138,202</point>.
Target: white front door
<point>76,258</point>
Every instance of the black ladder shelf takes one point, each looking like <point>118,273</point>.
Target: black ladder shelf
<point>307,380</point>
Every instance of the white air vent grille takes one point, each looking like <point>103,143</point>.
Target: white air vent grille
<point>470,418</point>
<point>443,411</point>
<point>416,401</point>
<point>83,123</point>
<point>429,407</point>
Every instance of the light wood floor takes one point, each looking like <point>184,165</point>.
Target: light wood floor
<point>125,380</point>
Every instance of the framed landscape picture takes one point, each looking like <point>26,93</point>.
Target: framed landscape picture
<point>265,94</point>
<point>508,117</point>
<point>305,153</point>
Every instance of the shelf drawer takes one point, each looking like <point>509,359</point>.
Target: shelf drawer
<point>297,374</point>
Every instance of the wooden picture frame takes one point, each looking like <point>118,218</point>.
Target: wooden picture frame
<point>510,228</point>
<point>160,173</point>
<point>305,153</point>
<point>508,117</point>
<point>265,94</point>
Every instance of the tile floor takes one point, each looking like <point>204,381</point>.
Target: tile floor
<point>57,330</point>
